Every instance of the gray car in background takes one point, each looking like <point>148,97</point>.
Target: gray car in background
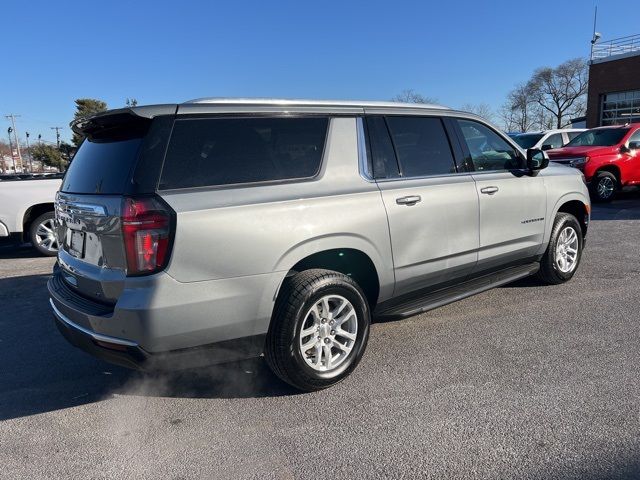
<point>216,230</point>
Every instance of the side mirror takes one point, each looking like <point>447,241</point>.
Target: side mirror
<point>537,159</point>
<point>634,145</point>
<point>547,147</point>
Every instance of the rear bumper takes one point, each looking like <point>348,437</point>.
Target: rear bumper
<point>113,350</point>
<point>102,332</point>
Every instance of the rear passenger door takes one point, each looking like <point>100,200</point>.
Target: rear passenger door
<point>432,209</point>
<point>512,203</point>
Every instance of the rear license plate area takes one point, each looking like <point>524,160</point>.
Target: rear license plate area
<point>75,245</point>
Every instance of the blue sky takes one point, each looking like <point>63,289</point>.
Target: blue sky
<point>161,52</point>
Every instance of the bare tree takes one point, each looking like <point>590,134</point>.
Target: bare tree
<point>411,96</point>
<point>560,91</point>
<point>517,110</point>
<point>483,110</point>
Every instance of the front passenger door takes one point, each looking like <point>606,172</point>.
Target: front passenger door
<point>512,203</point>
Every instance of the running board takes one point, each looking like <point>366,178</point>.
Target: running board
<point>417,302</point>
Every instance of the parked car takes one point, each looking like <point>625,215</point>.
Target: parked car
<point>609,157</point>
<point>546,139</point>
<point>26,212</point>
<point>215,230</point>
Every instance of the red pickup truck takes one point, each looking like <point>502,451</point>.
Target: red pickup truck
<point>608,156</point>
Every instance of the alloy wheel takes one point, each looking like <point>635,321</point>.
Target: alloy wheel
<point>46,237</point>
<point>567,250</point>
<point>328,333</point>
<point>605,187</point>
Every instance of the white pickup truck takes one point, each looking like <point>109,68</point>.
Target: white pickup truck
<point>26,212</point>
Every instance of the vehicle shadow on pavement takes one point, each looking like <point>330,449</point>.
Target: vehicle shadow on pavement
<point>18,251</point>
<point>626,206</point>
<point>42,372</point>
<point>527,282</point>
<point>245,379</point>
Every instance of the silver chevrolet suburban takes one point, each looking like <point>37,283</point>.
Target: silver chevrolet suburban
<point>218,229</point>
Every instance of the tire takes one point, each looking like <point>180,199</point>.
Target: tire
<point>604,186</point>
<point>552,269</point>
<point>300,305</point>
<point>42,235</point>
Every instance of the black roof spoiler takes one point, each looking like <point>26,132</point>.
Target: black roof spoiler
<point>84,126</point>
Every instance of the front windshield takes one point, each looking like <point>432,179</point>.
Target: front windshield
<point>602,137</point>
<point>527,140</point>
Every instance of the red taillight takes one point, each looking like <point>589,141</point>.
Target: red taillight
<point>146,228</point>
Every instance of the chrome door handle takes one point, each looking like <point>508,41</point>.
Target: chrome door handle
<point>410,200</point>
<point>489,190</point>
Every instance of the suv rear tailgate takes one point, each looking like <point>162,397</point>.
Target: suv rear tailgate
<point>91,253</point>
<point>120,157</point>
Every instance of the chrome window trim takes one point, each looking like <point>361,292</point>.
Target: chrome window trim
<point>424,177</point>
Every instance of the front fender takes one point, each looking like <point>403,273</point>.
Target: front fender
<point>553,208</point>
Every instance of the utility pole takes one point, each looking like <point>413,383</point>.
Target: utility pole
<point>13,160</point>
<point>596,35</point>
<point>40,144</point>
<point>57,129</point>
<point>15,135</point>
<point>29,153</point>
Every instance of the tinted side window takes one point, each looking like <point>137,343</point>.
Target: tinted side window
<point>554,140</point>
<point>383,158</point>
<point>422,146</point>
<point>573,135</point>
<point>226,151</point>
<point>488,150</point>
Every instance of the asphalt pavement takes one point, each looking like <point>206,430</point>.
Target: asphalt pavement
<point>524,381</point>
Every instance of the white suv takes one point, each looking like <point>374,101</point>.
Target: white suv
<point>546,139</point>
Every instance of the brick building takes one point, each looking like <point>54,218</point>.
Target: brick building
<point>614,82</point>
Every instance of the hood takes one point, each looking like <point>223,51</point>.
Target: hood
<point>568,152</point>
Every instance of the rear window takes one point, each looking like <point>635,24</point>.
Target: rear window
<point>102,166</point>
<point>227,151</point>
